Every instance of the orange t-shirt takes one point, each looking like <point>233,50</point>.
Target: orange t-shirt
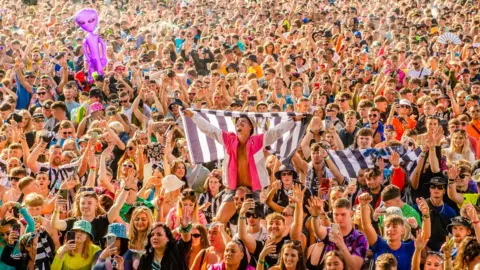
<point>399,126</point>
<point>471,130</point>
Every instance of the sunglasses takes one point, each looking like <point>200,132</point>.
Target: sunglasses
<point>342,100</point>
<point>463,175</point>
<point>124,101</point>
<point>67,133</point>
<point>196,235</point>
<point>114,101</point>
<point>250,215</point>
<point>287,215</point>
<point>437,187</point>
<point>127,165</point>
<point>190,193</point>
<point>14,178</point>
<point>238,199</point>
<point>404,106</point>
<point>286,173</point>
<point>130,148</point>
<point>372,115</point>
<point>86,189</point>
<point>41,93</point>
<point>29,76</point>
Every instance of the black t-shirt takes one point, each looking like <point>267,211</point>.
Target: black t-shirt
<point>271,259</point>
<point>99,227</point>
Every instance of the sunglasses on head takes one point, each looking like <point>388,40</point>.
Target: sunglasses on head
<point>190,193</point>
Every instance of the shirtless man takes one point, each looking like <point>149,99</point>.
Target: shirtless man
<point>244,163</point>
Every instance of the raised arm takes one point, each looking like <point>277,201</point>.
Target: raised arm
<point>452,186</point>
<point>55,221</point>
<point>207,128</point>
<point>32,162</point>
<point>297,198</point>
<point>278,131</point>
<point>315,207</point>
<point>368,229</point>
<point>246,238</point>
<point>427,224</point>
<point>277,185</point>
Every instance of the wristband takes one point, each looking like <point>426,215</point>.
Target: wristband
<point>242,217</point>
<point>187,229</point>
<point>19,206</point>
<point>426,216</point>
<point>476,222</point>
<point>327,158</point>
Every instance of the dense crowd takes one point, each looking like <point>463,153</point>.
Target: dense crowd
<point>97,171</point>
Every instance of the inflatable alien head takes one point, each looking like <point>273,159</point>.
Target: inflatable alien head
<point>87,19</point>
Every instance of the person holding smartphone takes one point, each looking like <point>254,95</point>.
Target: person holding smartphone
<point>341,235</point>
<point>78,250</point>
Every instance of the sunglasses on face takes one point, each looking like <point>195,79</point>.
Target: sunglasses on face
<point>196,235</point>
<point>342,100</point>
<point>127,165</point>
<point>29,76</point>
<point>404,106</point>
<point>437,187</point>
<point>190,193</point>
<point>41,93</point>
<point>130,148</point>
<point>124,101</point>
<point>250,215</point>
<point>238,199</point>
<point>286,173</point>
<point>14,178</point>
<point>372,115</point>
<point>463,175</point>
<point>286,214</point>
<point>67,133</point>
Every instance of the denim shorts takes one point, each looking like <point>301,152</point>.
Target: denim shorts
<point>229,194</point>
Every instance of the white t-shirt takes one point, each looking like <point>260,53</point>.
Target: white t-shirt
<point>412,73</point>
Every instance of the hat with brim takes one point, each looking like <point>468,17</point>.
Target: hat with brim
<point>175,102</point>
<point>284,168</point>
<point>84,226</point>
<point>460,221</point>
<point>441,97</point>
<point>118,230</point>
<point>171,183</point>
<point>405,102</point>
<point>437,181</point>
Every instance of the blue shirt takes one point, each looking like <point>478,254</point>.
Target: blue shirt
<point>403,255</point>
<point>380,129</point>
<point>23,95</point>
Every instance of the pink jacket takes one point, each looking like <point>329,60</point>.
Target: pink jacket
<point>257,171</point>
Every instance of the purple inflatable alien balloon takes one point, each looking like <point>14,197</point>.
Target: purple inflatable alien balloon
<point>87,19</point>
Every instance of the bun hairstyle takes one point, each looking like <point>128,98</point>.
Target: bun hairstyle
<point>386,262</point>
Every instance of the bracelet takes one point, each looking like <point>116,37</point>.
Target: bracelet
<point>327,158</point>
<point>19,206</point>
<point>261,262</point>
<point>242,217</point>
<point>56,211</point>
<point>187,229</point>
<point>451,182</point>
<point>476,222</point>
<point>426,216</point>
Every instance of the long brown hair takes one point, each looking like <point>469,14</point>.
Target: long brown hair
<point>296,245</point>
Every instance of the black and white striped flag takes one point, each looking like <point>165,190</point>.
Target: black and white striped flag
<point>349,161</point>
<point>205,149</point>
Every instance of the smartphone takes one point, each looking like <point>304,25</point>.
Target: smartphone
<point>16,228</point>
<point>248,196</point>
<point>328,121</point>
<point>334,228</point>
<point>382,210</point>
<point>63,193</point>
<point>397,100</point>
<point>325,183</point>
<point>353,181</point>
<point>70,236</point>
<point>110,240</point>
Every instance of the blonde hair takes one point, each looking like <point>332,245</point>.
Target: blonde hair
<point>466,149</point>
<point>133,234</point>
<point>34,200</point>
<point>186,196</point>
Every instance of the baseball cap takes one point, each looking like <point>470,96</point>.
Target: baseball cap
<point>95,92</point>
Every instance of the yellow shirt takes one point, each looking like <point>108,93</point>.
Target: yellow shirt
<point>257,70</point>
<point>75,262</point>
